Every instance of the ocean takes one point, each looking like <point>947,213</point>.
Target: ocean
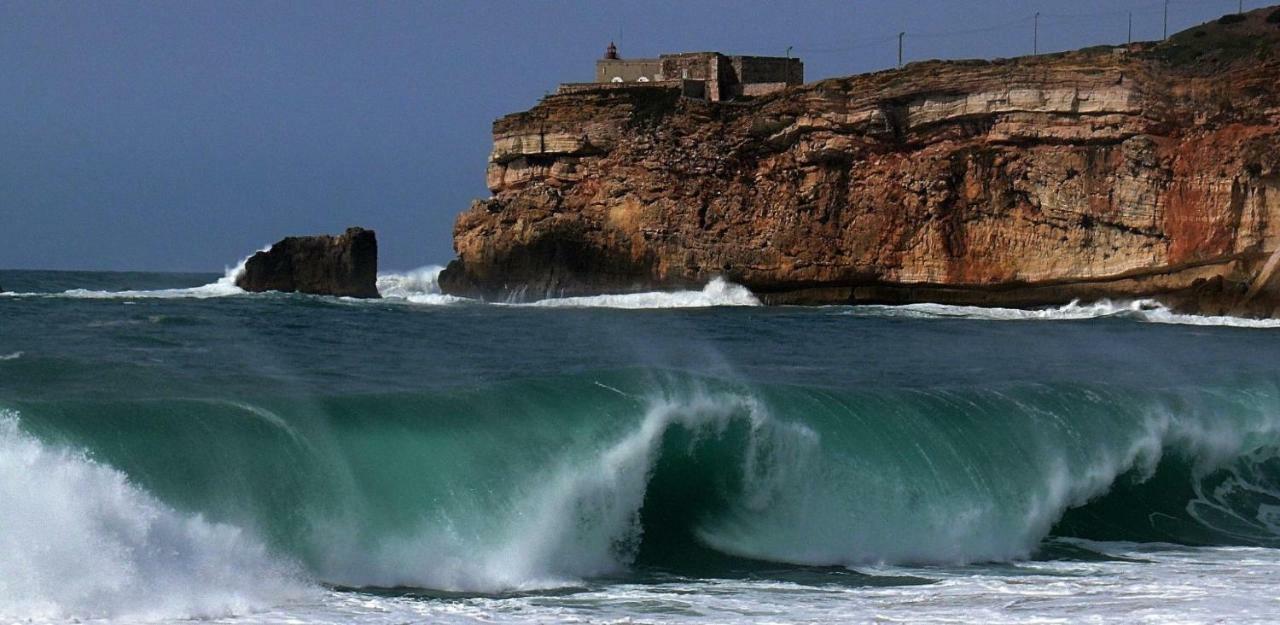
<point>173,449</point>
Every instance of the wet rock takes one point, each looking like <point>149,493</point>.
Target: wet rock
<point>342,265</point>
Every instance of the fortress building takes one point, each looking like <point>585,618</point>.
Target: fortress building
<point>706,75</point>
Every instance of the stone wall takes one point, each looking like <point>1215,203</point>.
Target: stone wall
<point>766,69</point>
<point>723,77</point>
<point>696,89</point>
<point>579,87</point>
<point>688,66</point>
<point>629,70</point>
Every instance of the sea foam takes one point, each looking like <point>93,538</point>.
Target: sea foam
<point>222,287</point>
<point>79,540</point>
<point>1145,310</point>
<point>419,286</point>
<point>717,292</point>
<point>422,286</point>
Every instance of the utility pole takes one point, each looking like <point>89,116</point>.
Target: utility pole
<point>900,36</point>
<point>1166,20</point>
<point>1241,11</point>
<point>1035,41</point>
<point>1130,27</point>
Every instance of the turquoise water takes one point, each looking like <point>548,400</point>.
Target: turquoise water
<point>172,448</point>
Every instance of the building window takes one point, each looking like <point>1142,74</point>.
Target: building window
<point>643,79</point>
<point>616,79</point>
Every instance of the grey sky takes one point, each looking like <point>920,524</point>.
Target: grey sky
<point>183,135</point>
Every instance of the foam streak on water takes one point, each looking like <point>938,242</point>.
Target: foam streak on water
<point>1145,310</point>
<point>1158,584</point>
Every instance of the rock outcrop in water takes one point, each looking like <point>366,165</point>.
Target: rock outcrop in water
<point>344,265</point>
<point>1150,171</point>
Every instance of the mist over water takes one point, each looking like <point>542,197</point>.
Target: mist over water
<point>273,457</point>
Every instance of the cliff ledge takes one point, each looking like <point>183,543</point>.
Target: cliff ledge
<point>1147,171</point>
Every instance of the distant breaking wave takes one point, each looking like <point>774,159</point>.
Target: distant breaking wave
<point>422,286</point>
<point>718,292</point>
<point>1146,310</point>
<point>222,287</point>
<point>419,286</point>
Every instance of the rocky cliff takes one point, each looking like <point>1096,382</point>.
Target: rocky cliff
<point>1108,172</point>
<point>344,265</point>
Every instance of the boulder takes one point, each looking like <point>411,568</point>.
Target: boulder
<point>342,265</point>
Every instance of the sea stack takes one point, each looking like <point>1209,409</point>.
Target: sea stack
<point>1122,172</point>
<point>343,265</point>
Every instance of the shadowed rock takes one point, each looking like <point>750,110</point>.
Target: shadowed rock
<point>342,265</point>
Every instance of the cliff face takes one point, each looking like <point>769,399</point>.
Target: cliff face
<point>1097,173</point>
<point>343,265</point>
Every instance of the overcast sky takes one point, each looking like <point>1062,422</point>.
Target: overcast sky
<point>183,135</point>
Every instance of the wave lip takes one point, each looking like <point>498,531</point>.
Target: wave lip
<point>78,540</point>
<point>717,292</point>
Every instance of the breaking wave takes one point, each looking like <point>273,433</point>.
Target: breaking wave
<point>419,286</point>
<point>79,540</point>
<point>543,483</point>
<point>422,286</point>
<point>717,292</point>
<point>222,287</point>
<point>1145,310</point>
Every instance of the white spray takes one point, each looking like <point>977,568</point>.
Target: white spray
<point>78,540</point>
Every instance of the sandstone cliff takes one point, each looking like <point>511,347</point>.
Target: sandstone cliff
<point>1150,171</point>
<point>344,265</point>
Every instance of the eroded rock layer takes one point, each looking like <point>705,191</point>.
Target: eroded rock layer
<point>1151,171</point>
